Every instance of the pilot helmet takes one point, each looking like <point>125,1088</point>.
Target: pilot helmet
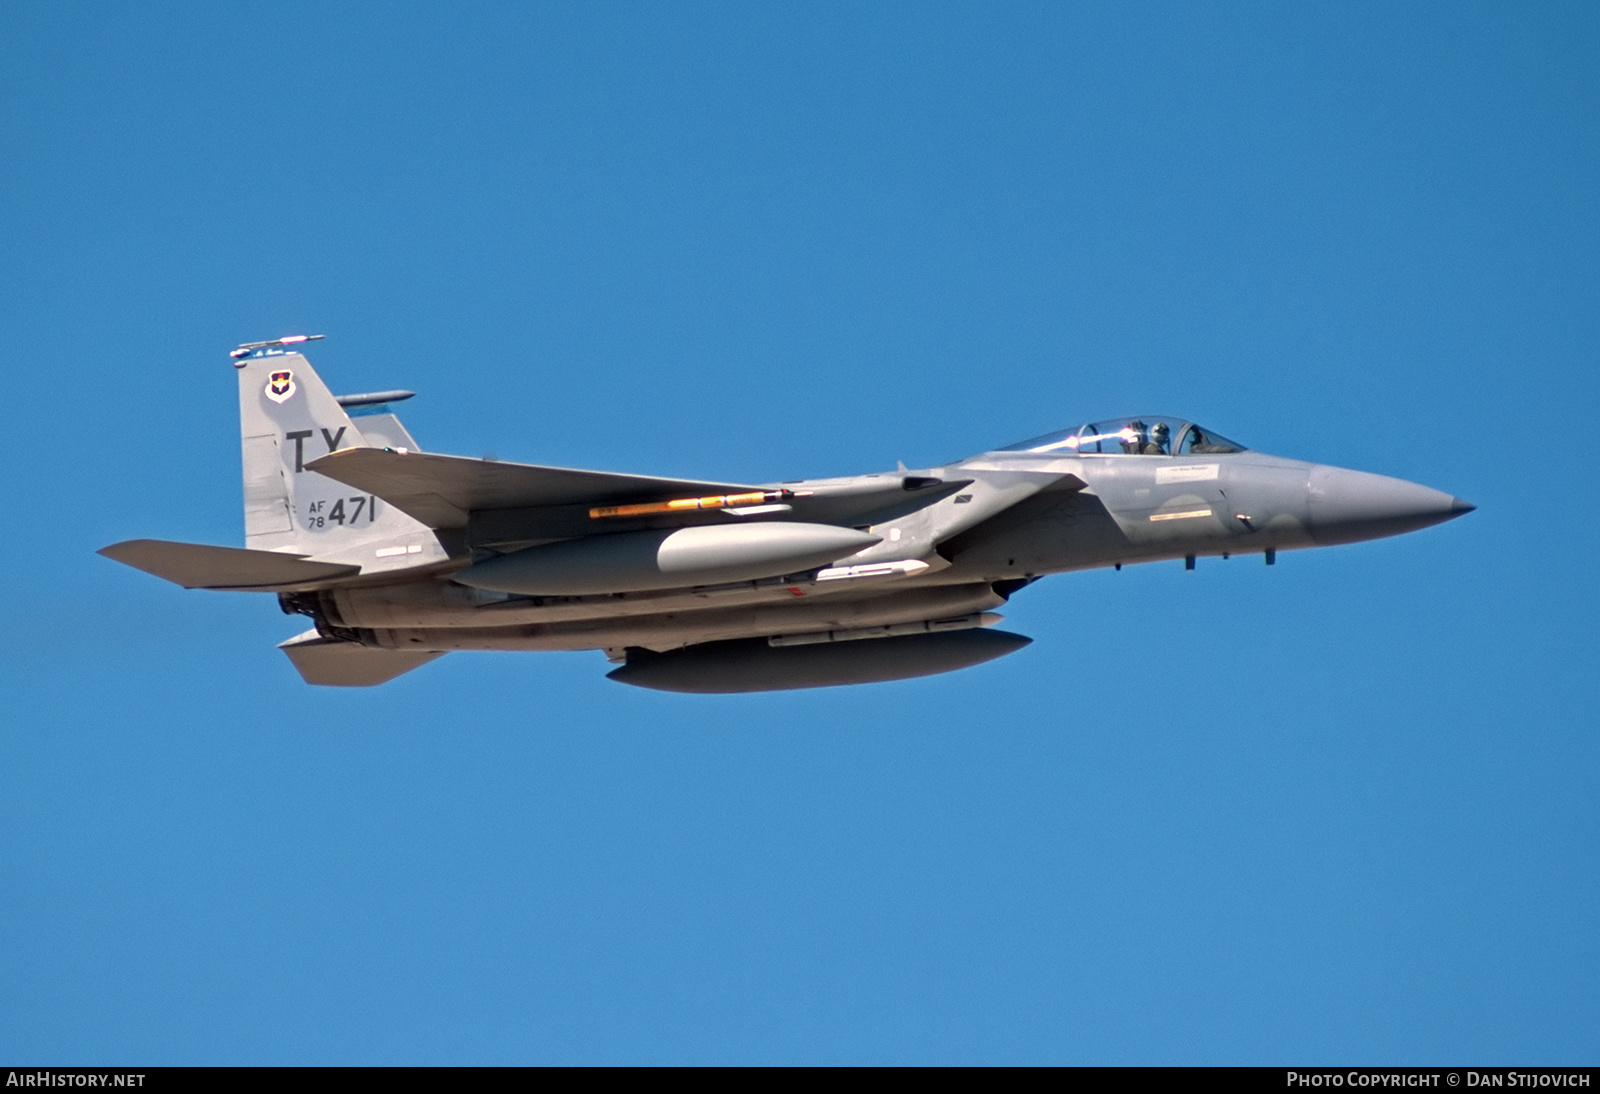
<point>1160,432</point>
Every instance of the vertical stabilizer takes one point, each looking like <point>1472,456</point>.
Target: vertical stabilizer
<point>383,429</point>
<point>287,418</point>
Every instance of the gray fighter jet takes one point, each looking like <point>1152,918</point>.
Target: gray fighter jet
<point>399,556</point>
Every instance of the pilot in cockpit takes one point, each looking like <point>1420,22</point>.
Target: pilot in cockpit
<point>1160,437</point>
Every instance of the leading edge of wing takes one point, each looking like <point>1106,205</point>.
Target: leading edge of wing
<point>441,491</point>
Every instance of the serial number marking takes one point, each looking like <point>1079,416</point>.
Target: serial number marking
<point>345,511</point>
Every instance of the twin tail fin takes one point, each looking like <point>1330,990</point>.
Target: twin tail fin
<point>287,419</point>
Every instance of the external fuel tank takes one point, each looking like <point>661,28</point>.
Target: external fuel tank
<point>756,665</point>
<point>666,558</point>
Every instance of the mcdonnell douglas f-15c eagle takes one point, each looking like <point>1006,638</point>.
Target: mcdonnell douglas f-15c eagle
<point>399,556</point>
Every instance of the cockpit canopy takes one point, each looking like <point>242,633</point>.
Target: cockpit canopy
<point>1151,435</point>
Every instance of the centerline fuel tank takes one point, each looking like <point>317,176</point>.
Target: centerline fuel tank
<point>757,665</point>
<point>666,558</point>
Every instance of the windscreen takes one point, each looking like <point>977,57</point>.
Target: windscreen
<point>1151,435</point>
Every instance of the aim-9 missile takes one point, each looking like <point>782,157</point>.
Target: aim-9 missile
<point>680,505</point>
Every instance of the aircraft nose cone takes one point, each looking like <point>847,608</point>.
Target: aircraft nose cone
<point>1347,506</point>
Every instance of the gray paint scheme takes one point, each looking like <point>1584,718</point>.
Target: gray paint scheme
<point>662,631</point>
<point>332,663</point>
<point>385,431</point>
<point>399,556</point>
<point>668,558</point>
<point>197,566</point>
<point>753,665</point>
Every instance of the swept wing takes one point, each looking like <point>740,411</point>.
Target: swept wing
<point>442,491</point>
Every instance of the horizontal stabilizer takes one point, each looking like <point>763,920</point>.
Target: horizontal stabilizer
<point>336,664</point>
<point>199,566</point>
<point>441,490</point>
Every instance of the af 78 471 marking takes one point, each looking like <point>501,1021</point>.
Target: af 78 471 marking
<point>319,514</point>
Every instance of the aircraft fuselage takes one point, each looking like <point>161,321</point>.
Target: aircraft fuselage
<point>1131,508</point>
<point>399,555</point>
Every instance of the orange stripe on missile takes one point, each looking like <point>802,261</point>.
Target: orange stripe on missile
<point>715,501</point>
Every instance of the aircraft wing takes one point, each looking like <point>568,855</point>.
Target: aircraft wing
<point>441,491</point>
<point>199,566</point>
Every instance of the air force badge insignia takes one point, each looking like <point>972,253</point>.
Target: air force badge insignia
<point>280,385</point>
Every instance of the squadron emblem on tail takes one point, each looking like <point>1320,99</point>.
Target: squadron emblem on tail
<point>280,386</point>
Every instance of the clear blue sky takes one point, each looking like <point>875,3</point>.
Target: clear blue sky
<point>1342,810</point>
